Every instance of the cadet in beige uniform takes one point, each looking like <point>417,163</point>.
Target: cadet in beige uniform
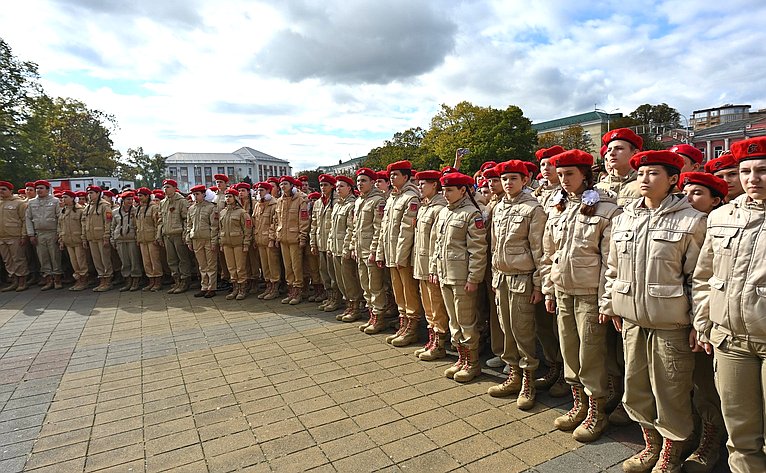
<point>341,230</point>
<point>170,231</point>
<point>97,221</point>
<point>575,248</point>
<point>235,235</point>
<point>321,218</point>
<point>458,265</point>
<point>41,220</point>
<point>292,235</point>
<point>264,239</point>
<point>729,289</point>
<point>368,214</point>
<point>311,261</point>
<point>726,167</point>
<point>13,236</point>
<point>487,303</point>
<point>648,301</point>
<point>146,238</point>
<point>433,303</point>
<point>123,230</point>
<point>547,329</point>
<point>70,238</point>
<point>517,228</point>
<point>253,260</point>
<point>397,235</point>
<point>202,238</point>
<point>222,183</point>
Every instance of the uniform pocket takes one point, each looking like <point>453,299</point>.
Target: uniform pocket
<point>520,284</point>
<point>679,360</point>
<point>666,290</point>
<point>587,227</point>
<point>586,270</point>
<point>664,245</point>
<point>722,239</point>
<point>624,242</point>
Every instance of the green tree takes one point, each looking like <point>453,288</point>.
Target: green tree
<point>150,169</point>
<point>403,145</point>
<point>573,137</point>
<point>548,139</point>
<point>657,115</point>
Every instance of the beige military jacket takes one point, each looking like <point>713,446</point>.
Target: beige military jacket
<point>543,195</point>
<point>202,222</point>
<point>220,200</point>
<point>342,226</point>
<point>12,218</point>
<point>147,218</point>
<point>97,221</point>
<point>460,244</point>
<point>123,226</point>
<point>652,256</point>
<point>42,215</point>
<point>70,225</point>
<point>264,222</point>
<point>292,219</point>
<point>729,284</point>
<point>626,189</point>
<point>397,229</point>
<point>423,246</point>
<point>235,227</point>
<point>368,214</point>
<point>518,225</point>
<point>172,216</point>
<point>321,220</point>
<point>576,247</point>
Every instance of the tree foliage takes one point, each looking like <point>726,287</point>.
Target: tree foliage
<point>144,170</point>
<point>662,114</point>
<point>403,145</point>
<point>573,137</point>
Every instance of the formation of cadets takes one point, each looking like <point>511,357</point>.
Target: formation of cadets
<point>646,288</point>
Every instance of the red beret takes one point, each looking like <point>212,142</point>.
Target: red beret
<point>367,172</point>
<point>108,193</point>
<point>427,175</point>
<point>718,187</point>
<point>489,173</point>
<point>328,179</point>
<point>143,190</point>
<point>725,161</point>
<point>624,134</point>
<point>221,177</point>
<point>314,195</point>
<point>545,153</point>
<point>273,179</point>
<point>345,179</point>
<point>170,182</point>
<point>81,194</point>
<point>482,183</point>
<point>689,151</point>
<point>199,188</point>
<point>531,167</point>
<point>514,165</point>
<point>399,166</point>
<point>214,188</point>
<point>303,178</point>
<point>242,186</point>
<point>487,165</point>
<point>232,191</point>
<point>667,158</point>
<point>29,184</point>
<point>21,191</point>
<point>456,179</point>
<point>603,150</point>
<point>93,189</point>
<point>9,186</point>
<point>264,185</point>
<point>573,157</point>
<point>754,148</point>
<point>158,193</point>
<point>68,193</point>
<point>130,194</point>
<point>448,169</point>
<point>42,182</point>
<point>382,175</point>
<point>295,182</point>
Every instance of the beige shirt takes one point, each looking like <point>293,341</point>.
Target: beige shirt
<point>460,244</point>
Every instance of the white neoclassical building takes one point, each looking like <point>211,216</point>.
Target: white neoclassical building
<point>191,169</point>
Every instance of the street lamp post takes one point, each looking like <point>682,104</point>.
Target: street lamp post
<point>608,116</point>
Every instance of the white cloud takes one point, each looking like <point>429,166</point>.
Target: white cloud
<point>334,79</point>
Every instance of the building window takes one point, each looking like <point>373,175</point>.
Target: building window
<point>208,175</point>
<point>184,174</point>
<point>250,172</point>
<point>717,151</point>
<point>230,172</point>
<point>260,172</point>
<point>221,170</point>
<point>197,171</point>
<point>173,172</point>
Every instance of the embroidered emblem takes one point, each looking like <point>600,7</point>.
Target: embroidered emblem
<point>414,206</point>
<point>479,222</point>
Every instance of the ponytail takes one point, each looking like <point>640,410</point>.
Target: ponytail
<point>585,209</point>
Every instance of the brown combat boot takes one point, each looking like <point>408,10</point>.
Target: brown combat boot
<point>409,336</point>
<point>471,368</point>
<point>100,285</point>
<point>176,283</point>
<point>370,319</point>
<point>183,286</point>
<point>230,296</point>
<point>157,284</point>
<point>645,460</point>
<point>437,349</point>
<point>510,386</point>
<point>706,455</point>
<point>268,289</point>
<point>528,392</point>
<point>328,298</point>
<point>80,284</point>
<point>619,416</point>
<point>595,423</point>
<point>576,414</point>
<point>319,293</point>
<point>357,309</point>
<point>560,388</point>
<point>48,285</point>
<point>345,312</point>
<point>288,296</point>
<point>135,285</point>
<point>57,282</point>
<point>403,321</point>
<point>670,457</point>
<point>378,324</point>
<point>461,360</point>
<point>242,292</point>
<point>550,376</point>
<point>297,296</point>
<point>12,287</point>
<point>427,346</point>
<point>22,284</point>
<point>274,293</point>
<point>127,283</point>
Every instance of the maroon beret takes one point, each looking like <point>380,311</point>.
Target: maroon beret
<point>666,158</point>
<point>718,187</point>
<point>624,134</point>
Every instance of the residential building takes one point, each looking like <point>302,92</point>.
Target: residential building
<point>710,117</point>
<point>594,125</point>
<point>714,140</point>
<point>191,169</point>
<point>344,167</point>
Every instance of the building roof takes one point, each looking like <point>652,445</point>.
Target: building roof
<point>242,155</point>
<point>250,153</point>
<point>728,105</point>
<point>586,117</point>
<point>734,126</point>
<point>344,164</point>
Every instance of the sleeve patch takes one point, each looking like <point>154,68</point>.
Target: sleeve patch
<point>304,214</point>
<point>414,206</point>
<point>479,222</point>
<point>248,223</point>
<point>381,208</point>
<point>108,215</point>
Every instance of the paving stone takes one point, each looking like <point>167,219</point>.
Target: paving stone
<point>114,457</point>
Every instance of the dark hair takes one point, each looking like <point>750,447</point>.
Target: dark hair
<point>469,193</point>
<point>406,172</point>
<point>587,210</point>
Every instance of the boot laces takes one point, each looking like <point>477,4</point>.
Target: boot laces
<point>666,454</point>
<point>708,433</point>
<point>430,342</point>
<point>552,375</point>
<point>647,451</point>
<point>404,322</point>
<point>511,378</point>
<point>526,386</point>
<point>373,318</point>
<point>575,403</point>
<point>590,420</point>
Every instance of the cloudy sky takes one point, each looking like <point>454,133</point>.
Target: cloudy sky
<point>315,81</point>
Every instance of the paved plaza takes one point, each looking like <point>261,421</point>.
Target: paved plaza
<point>135,382</point>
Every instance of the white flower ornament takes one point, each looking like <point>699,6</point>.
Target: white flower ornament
<point>590,197</point>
